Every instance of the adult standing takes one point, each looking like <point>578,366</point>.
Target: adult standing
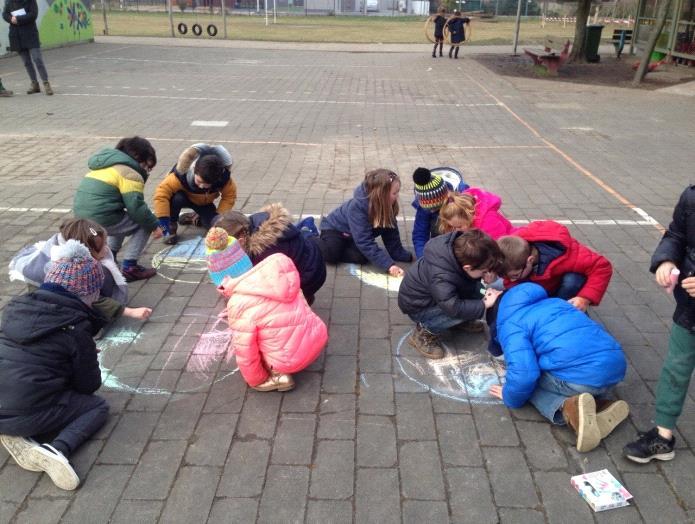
<point>24,39</point>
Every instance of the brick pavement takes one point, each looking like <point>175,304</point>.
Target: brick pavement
<point>357,441</point>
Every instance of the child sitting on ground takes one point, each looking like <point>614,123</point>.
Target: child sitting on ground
<point>274,331</point>
<point>474,209</point>
<point>431,192</point>
<point>201,175</point>
<point>551,365</point>
<point>31,263</point>
<point>49,369</point>
<point>271,231</point>
<point>443,288</point>
<point>348,233</point>
<point>544,252</point>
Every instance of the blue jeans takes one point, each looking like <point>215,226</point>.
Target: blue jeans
<point>434,320</point>
<point>551,393</point>
<point>570,285</point>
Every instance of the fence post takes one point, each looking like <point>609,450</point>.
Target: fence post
<point>103,12</point>
<point>171,16</point>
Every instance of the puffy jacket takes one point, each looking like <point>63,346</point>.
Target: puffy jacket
<point>576,258</point>
<point>426,223</point>
<point>272,232</point>
<point>437,279</point>
<point>24,35</point>
<point>540,334</point>
<point>272,325</point>
<point>487,214</point>
<point>678,246</point>
<point>352,217</point>
<point>112,188</point>
<point>46,349</point>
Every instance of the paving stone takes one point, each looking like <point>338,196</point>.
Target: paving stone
<point>376,394</point>
<point>259,415</point>
<point>458,440</point>
<point>294,440</point>
<point>421,471</point>
<point>376,441</point>
<point>211,440</point>
<point>244,472</point>
<point>305,395</point>
<point>284,494</point>
<point>510,478</point>
<point>377,496</point>
<point>7,510</point>
<point>345,310</point>
<point>339,374</point>
<point>414,419</point>
<point>680,474</point>
<point>180,416</point>
<point>374,324</point>
<point>238,510</point>
<point>43,511</point>
<point>521,516</point>
<point>542,450</point>
<point>375,355</point>
<point>333,511</point>
<point>99,493</point>
<point>17,482</point>
<point>226,396</point>
<point>495,425</point>
<point>129,438</point>
<point>337,417</point>
<point>140,511</point>
<point>332,475</point>
<point>653,498</point>
<point>156,470</point>
<point>425,511</point>
<point>343,339</point>
<point>560,499</point>
<point>192,495</point>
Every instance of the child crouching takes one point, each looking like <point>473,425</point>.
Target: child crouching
<point>274,331</point>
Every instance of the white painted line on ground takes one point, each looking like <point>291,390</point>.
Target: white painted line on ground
<point>210,123</point>
<point>241,62</point>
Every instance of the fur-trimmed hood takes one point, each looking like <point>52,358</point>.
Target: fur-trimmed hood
<point>268,226</point>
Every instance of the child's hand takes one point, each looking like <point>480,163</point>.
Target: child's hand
<point>688,285</point>
<point>157,233</point>
<point>580,303</point>
<point>663,273</point>
<point>496,391</point>
<point>139,313</point>
<point>396,271</point>
<point>491,297</point>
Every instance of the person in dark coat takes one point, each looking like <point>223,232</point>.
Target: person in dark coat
<point>443,288</point>
<point>271,231</point>
<point>673,263</point>
<point>24,39</point>
<point>439,21</point>
<point>457,32</point>
<point>49,368</point>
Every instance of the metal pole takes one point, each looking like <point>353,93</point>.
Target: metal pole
<point>171,17</point>
<point>518,23</point>
<point>103,12</point>
<point>258,6</point>
<point>265,5</point>
<point>275,13</point>
<point>224,17</point>
<point>526,10</point>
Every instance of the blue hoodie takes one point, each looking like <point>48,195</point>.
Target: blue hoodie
<point>352,218</point>
<point>540,334</point>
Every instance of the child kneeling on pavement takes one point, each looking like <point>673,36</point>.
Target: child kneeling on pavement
<point>559,360</point>
<point>49,369</point>
<point>443,289</point>
<point>274,331</point>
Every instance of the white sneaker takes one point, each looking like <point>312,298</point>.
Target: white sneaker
<point>47,458</point>
<point>18,448</point>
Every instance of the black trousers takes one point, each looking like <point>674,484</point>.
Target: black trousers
<point>180,200</point>
<point>339,247</point>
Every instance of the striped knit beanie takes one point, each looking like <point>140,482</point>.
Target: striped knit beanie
<point>73,268</point>
<point>225,256</point>
<point>430,191</point>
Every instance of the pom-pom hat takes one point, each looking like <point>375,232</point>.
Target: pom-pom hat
<point>225,256</point>
<point>430,191</point>
<point>73,268</point>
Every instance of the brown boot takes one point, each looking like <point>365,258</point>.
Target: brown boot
<point>610,413</point>
<point>276,382</point>
<point>580,414</point>
<point>34,88</point>
<point>47,88</point>
<point>426,343</point>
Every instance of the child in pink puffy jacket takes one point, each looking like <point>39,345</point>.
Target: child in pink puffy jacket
<point>274,331</point>
<point>474,209</point>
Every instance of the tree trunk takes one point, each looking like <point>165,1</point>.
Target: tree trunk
<point>578,46</point>
<point>641,72</point>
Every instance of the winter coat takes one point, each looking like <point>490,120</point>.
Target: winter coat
<point>272,232</point>
<point>352,217</point>
<point>678,246</point>
<point>272,325</point>
<point>46,350</point>
<point>457,28</point>
<point>24,35</point>
<point>439,22</point>
<point>437,279</point>
<point>540,334</point>
<point>182,178</point>
<point>575,258</point>
<point>113,188</point>
<point>426,223</point>
<point>487,215</point>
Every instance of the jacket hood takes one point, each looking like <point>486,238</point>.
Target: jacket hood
<point>518,297</point>
<point>546,231</point>
<point>267,227</point>
<point>360,194</point>
<point>484,201</point>
<point>275,278</point>
<point>109,157</point>
<point>33,316</point>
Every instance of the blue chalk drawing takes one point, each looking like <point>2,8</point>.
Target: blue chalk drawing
<point>188,256</point>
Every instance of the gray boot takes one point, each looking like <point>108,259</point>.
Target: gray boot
<point>47,88</point>
<point>34,88</point>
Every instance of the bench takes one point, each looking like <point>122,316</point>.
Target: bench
<point>620,38</point>
<point>550,57</point>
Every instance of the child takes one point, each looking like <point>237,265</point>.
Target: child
<point>274,331</point>
<point>457,31</point>
<point>271,231</point>
<point>674,252</point>
<point>442,289</point>
<point>348,233</point>
<point>544,252</point>
<point>200,176</point>
<point>112,196</point>
<point>31,263</point>
<point>49,369</point>
<point>551,365</point>
<point>4,92</point>
<point>439,20</point>
<point>431,192</point>
<point>474,208</point>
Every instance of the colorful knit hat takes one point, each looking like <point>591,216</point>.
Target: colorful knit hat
<point>73,268</point>
<point>430,191</point>
<point>225,256</point>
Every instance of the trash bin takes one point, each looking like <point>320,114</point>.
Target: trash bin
<point>593,39</point>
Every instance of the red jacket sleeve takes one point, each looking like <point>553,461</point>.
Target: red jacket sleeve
<point>598,271</point>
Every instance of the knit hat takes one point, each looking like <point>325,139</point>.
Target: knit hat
<point>225,256</point>
<point>73,268</point>
<point>430,191</point>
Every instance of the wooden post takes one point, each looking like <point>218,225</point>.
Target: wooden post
<point>171,17</point>
<point>224,17</point>
<point>103,12</point>
<point>518,24</point>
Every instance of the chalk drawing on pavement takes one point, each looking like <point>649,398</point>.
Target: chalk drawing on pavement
<point>187,257</point>
<point>372,278</point>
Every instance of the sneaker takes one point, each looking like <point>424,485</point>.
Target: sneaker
<point>189,219</point>
<point>426,343</point>
<point>47,458</point>
<point>610,413</point>
<point>17,447</point>
<point>138,272</point>
<point>5,92</point>
<point>580,414</point>
<point>649,446</point>
<point>276,382</point>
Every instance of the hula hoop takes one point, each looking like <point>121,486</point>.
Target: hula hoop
<point>212,30</point>
<point>197,29</point>
<point>428,22</point>
<point>183,28</point>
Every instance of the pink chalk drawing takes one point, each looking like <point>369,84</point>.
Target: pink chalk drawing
<point>210,349</point>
